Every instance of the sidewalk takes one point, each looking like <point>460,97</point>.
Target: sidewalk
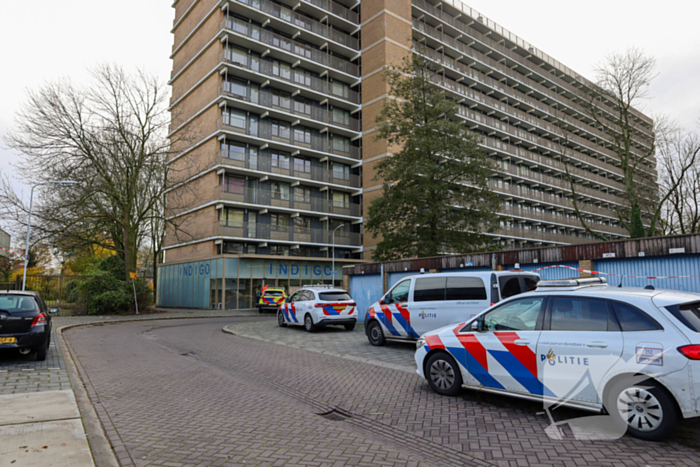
<point>44,409</point>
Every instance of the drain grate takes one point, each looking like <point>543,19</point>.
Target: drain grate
<point>335,415</point>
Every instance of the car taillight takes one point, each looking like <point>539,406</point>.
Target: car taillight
<point>40,319</point>
<point>691,351</point>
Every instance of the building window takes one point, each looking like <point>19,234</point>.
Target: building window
<point>237,87</point>
<point>341,117</point>
<point>235,185</point>
<point>281,99</point>
<point>341,200</point>
<point>302,135</point>
<point>341,171</point>
<point>279,222</point>
<point>237,55</point>
<point>281,69</point>
<point>302,224</point>
<point>280,190</point>
<point>279,160</point>
<point>302,165</point>
<point>232,217</point>
<point>235,118</point>
<point>234,150</point>
<point>302,195</point>
<point>280,129</point>
<point>279,250</point>
<point>340,89</point>
<point>341,144</point>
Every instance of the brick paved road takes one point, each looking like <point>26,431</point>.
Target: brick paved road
<point>184,393</point>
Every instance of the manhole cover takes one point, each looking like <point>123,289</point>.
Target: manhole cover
<point>334,415</point>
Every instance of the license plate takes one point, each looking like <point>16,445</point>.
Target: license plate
<point>339,307</point>
<point>7,340</point>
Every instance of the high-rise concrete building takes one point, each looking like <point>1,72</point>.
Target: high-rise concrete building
<point>274,106</point>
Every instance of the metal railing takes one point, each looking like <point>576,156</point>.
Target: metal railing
<point>288,233</point>
<point>541,236</point>
<point>553,218</point>
<point>303,22</point>
<point>264,164</point>
<point>337,9</point>
<point>285,102</point>
<point>263,129</point>
<point>266,67</point>
<point>264,36</point>
<point>289,201</point>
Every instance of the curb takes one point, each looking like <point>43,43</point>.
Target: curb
<point>98,442</point>
<point>390,366</point>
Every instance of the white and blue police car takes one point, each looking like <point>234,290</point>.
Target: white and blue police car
<point>630,354</point>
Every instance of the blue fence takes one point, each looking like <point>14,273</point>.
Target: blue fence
<point>553,273</point>
<point>365,290</point>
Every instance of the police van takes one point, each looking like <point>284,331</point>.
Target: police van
<point>630,354</point>
<point>421,303</point>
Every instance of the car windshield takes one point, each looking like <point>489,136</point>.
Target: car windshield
<point>17,303</point>
<point>334,296</point>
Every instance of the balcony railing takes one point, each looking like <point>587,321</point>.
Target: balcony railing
<point>475,55</point>
<point>289,233</point>
<point>264,36</point>
<point>303,22</point>
<point>263,129</point>
<point>288,104</point>
<point>263,164</point>
<point>290,201</point>
<point>266,67</point>
<point>503,50</point>
<point>541,236</point>
<point>548,198</point>
<point>552,218</point>
<point>337,9</point>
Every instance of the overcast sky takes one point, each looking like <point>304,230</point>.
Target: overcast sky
<point>43,40</point>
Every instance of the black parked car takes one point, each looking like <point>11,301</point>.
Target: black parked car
<point>25,323</point>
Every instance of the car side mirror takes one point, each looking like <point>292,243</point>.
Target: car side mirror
<point>476,326</point>
<point>53,311</point>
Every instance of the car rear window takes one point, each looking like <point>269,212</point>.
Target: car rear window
<point>273,293</point>
<point>17,303</point>
<point>686,313</point>
<point>334,296</point>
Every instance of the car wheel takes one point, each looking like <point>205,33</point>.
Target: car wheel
<point>280,320</point>
<point>350,327</point>
<point>443,374</point>
<point>41,352</point>
<point>646,408</point>
<point>375,334</point>
<point>309,323</point>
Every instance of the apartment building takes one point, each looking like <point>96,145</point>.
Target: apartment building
<point>273,119</point>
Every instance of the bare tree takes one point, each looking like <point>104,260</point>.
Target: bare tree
<point>111,137</point>
<point>679,175</point>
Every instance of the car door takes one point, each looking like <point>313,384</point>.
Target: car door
<point>394,311</point>
<point>500,354</point>
<point>580,342</point>
<point>428,309</point>
<point>290,308</point>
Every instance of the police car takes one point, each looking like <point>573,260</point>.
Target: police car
<point>317,306</point>
<point>630,354</point>
<point>271,298</point>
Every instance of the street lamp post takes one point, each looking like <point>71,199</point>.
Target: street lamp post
<point>333,251</point>
<point>29,224</point>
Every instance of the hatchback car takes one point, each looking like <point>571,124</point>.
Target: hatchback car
<point>632,353</point>
<point>25,323</point>
<point>421,303</point>
<point>314,307</point>
<point>271,298</point>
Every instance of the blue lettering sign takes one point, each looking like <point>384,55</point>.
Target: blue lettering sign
<point>327,270</point>
<point>317,270</point>
<point>283,269</point>
<point>295,270</point>
<point>270,268</point>
<point>201,269</point>
<point>190,272</point>
<point>206,269</point>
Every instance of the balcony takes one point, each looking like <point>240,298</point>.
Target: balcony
<point>291,46</point>
<point>303,22</point>
<point>298,171</point>
<point>548,198</point>
<point>552,218</point>
<point>507,52</point>
<point>533,235</point>
<point>295,78</point>
<point>264,130</point>
<point>266,98</point>
<point>289,234</point>
<point>479,97</point>
<point>290,202</point>
<point>337,9</point>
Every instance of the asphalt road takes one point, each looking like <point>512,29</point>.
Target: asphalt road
<point>183,393</point>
